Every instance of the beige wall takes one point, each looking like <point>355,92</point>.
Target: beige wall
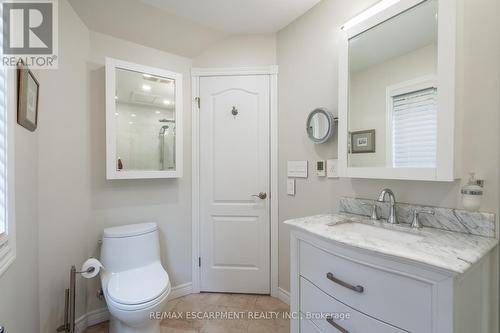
<point>367,97</point>
<point>19,310</point>
<point>308,57</point>
<point>239,51</point>
<point>116,202</point>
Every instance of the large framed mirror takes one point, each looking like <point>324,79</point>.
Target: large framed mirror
<point>143,121</point>
<point>397,86</point>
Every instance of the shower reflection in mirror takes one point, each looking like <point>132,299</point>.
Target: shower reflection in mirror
<point>166,139</point>
<point>143,121</point>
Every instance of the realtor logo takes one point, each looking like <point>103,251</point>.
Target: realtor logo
<point>30,33</point>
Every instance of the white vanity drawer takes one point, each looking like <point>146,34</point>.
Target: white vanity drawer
<point>316,302</point>
<point>393,298</point>
<point>307,326</point>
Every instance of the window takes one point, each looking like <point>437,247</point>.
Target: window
<point>413,125</point>
<point>7,228</point>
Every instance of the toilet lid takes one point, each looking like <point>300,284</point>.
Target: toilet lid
<point>138,285</point>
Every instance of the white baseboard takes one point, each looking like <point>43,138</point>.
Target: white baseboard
<point>284,295</point>
<point>91,318</point>
<point>98,316</point>
<point>181,290</point>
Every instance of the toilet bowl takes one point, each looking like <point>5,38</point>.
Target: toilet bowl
<point>134,282</point>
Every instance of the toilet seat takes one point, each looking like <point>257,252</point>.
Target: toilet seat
<point>138,288</point>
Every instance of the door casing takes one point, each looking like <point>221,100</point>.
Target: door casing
<point>272,72</point>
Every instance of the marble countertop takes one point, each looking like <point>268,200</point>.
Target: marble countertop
<point>453,251</point>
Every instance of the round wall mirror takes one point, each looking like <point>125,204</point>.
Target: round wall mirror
<point>319,125</point>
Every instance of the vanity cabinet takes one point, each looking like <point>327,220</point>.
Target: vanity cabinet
<point>341,288</point>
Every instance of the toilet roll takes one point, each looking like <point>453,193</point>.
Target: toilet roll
<point>91,268</point>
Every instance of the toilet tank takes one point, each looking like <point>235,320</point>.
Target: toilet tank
<point>130,246</point>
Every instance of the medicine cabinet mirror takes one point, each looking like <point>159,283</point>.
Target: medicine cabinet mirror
<point>143,121</point>
<point>397,85</point>
<point>320,125</point>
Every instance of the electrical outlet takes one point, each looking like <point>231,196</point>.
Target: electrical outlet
<point>332,169</point>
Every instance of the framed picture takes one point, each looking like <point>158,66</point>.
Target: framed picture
<point>363,142</point>
<point>27,99</point>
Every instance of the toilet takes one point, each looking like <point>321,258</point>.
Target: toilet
<point>134,282</point>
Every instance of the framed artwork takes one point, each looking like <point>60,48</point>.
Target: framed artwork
<point>27,99</point>
<point>363,142</point>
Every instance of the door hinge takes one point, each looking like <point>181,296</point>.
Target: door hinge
<point>197,99</point>
<point>199,261</point>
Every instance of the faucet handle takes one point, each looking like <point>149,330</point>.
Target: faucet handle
<point>416,213</point>
<point>374,215</point>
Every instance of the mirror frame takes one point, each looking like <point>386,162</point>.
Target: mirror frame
<point>446,168</point>
<point>111,173</point>
<point>331,124</point>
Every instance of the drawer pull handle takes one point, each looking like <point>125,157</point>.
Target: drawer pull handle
<point>358,289</point>
<point>337,326</point>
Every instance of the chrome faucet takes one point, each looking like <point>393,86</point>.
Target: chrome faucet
<point>392,219</point>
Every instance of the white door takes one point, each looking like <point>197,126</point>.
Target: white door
<point>234,166</point>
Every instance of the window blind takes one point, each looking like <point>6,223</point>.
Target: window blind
<point>415,129</point>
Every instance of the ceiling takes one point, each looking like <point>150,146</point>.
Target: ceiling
<point>237,16</point>
<point>186,27</point>
<point>140,23</point>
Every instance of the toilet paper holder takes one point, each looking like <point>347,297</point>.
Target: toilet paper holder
<point>70,301</point>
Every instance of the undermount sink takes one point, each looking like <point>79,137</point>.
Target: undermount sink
<point>381,233</point>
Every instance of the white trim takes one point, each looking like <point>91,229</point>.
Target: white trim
<point>284,295</point>
<point>101,315</point>
<point>196,73</point>
<point>111,172</point>
<point>181,290</point>
<point>90,319</point>
<point>195,178</point>
<point>447,35</point>
<point>343,104</point>
<point>230,71</point>
<point>445,170</point>
<point>274,199</point>
<point>8,240</point>
<point>97,316</point>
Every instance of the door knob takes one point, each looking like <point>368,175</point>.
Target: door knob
<point>261,195</point>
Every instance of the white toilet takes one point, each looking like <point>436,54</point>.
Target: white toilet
<point>134,282</point>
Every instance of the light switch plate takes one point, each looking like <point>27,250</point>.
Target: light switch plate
<point>290,186</point>
<point>332,168</point>
<point>297,169</point>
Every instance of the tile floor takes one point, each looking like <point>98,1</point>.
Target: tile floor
<point>252,308</point>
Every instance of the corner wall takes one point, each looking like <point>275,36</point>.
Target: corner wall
<point>63,170</point>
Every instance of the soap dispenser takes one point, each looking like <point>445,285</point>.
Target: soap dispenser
<point>472,193</point>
